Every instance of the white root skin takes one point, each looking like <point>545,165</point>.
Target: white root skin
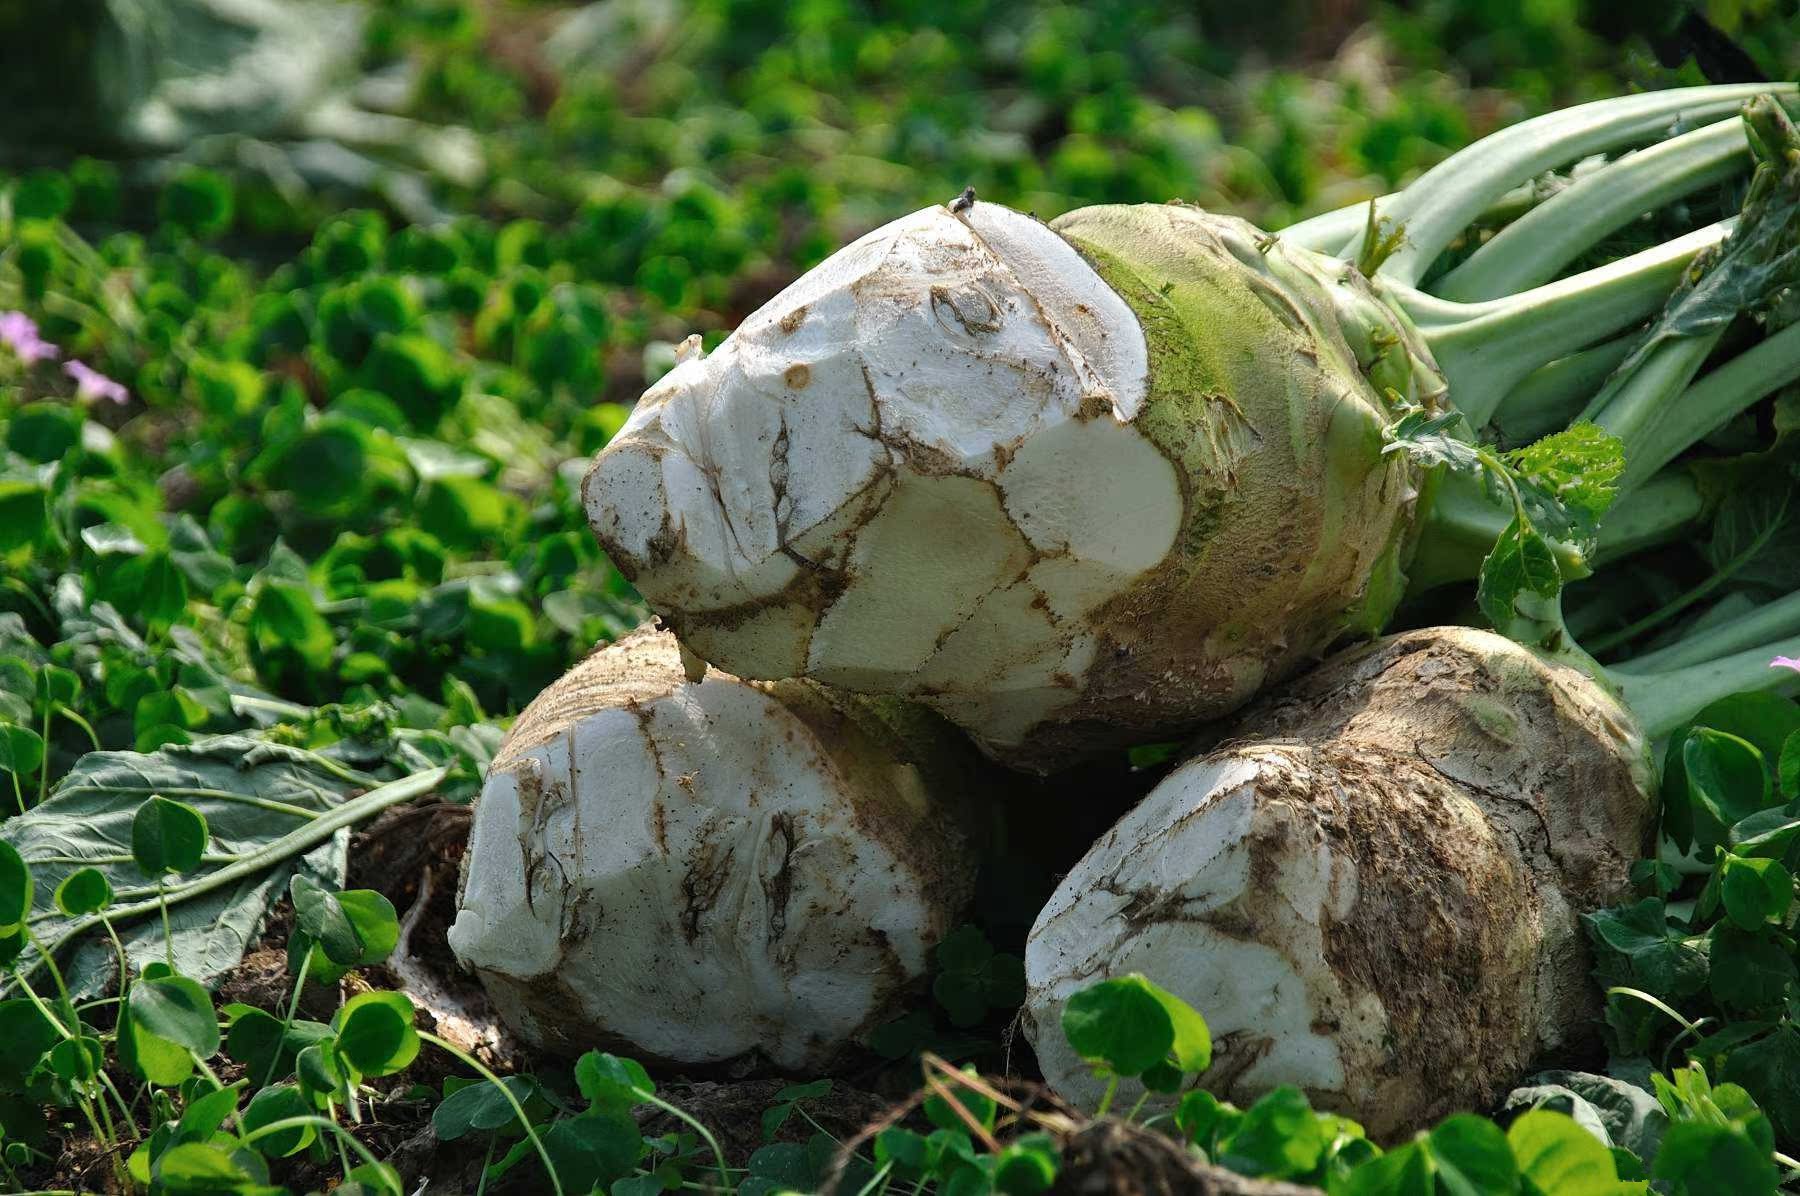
<point>917,392</point>
<point>710,873</point>
<point>1377,898</point>
<point>952,464</point>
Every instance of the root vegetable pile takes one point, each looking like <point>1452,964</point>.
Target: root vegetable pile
<point>1105,481</point>
<point>712,872</point>
<point>1372,885</point>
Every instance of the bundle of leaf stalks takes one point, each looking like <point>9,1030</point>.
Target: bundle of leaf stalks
<point>1110,482</point>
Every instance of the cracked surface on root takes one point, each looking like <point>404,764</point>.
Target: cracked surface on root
<point>1068,488</point>
<point>712,872</point>
<point>1369,886</point>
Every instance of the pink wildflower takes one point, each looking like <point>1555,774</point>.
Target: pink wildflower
<point>1785,662</point>
<point>19,333</point>
<point>91,384</point>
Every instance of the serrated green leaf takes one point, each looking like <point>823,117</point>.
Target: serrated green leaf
<point>1574,475</point>
<point>1520,585</point>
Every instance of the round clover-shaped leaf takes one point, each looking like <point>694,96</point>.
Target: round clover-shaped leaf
<point>157,1060</point>
<point>593,1149</point>
<point>167,836</point>
<point>1278,1137</point>
<point>909,1153</point>
<point>265,1045</point>
<point>78,1059</point>
<point>375,1033</point>
<point>278,1102</point>
<point>318,913</point>
<point>198,1167</point>
<point>1473,1156</point>
<point>1727,782</point>
<point>1128,1026</point>
<point>322,1074</point>
<point>1557,1155</point>
<point>21,749</point>
<point>1754,891</point>
<point>176,1008</point>
<point>1027,1166</point>
<point>169,1017</point>
<point>376,922</point>
<point>371,1179</point>
<point>339,931</point>
<point>15,888</point>
<point>1119,1025</point>
<point>25,1035</point>
<point>84,891</point>
<point>609,1082</point>
<point>480,1107</point>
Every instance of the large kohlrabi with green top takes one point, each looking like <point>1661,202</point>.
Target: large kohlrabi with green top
<point>1095,481</point>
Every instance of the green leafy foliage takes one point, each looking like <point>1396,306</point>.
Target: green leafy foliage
<point>336,932</point>
<point>1558,489</point>
<point>333,535</point>
<point>1708,964</point>
<point>973,978</point>
<point>1129,1027</point>
<point>256,806</point>
<point>167,836</point>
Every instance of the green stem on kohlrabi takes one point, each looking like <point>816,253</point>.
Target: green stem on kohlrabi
<point>1330,232</point>
<point>1495,182</point>
<point>1652,402</point>
<point>1467,514</point>
<point>1535,248</point>
<point>1665,699</point>
<point>1771,622</point>
<point>1652,406</point>
<point>1661,511</point>
<point>1715,399</point>
<point>1555,395</point>
<point>1435,210</point>
<point>1550,397</point>
<point>1495,320</point>
<point>1487,349</point>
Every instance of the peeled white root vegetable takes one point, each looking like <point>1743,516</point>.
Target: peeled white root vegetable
<point>1370,888</point>
<point>711,872</point>
<point>1014,471</point>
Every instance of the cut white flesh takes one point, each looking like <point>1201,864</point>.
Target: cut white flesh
<point>1011,471</point>
<point>711,872</point>
<point>1371,891</point>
